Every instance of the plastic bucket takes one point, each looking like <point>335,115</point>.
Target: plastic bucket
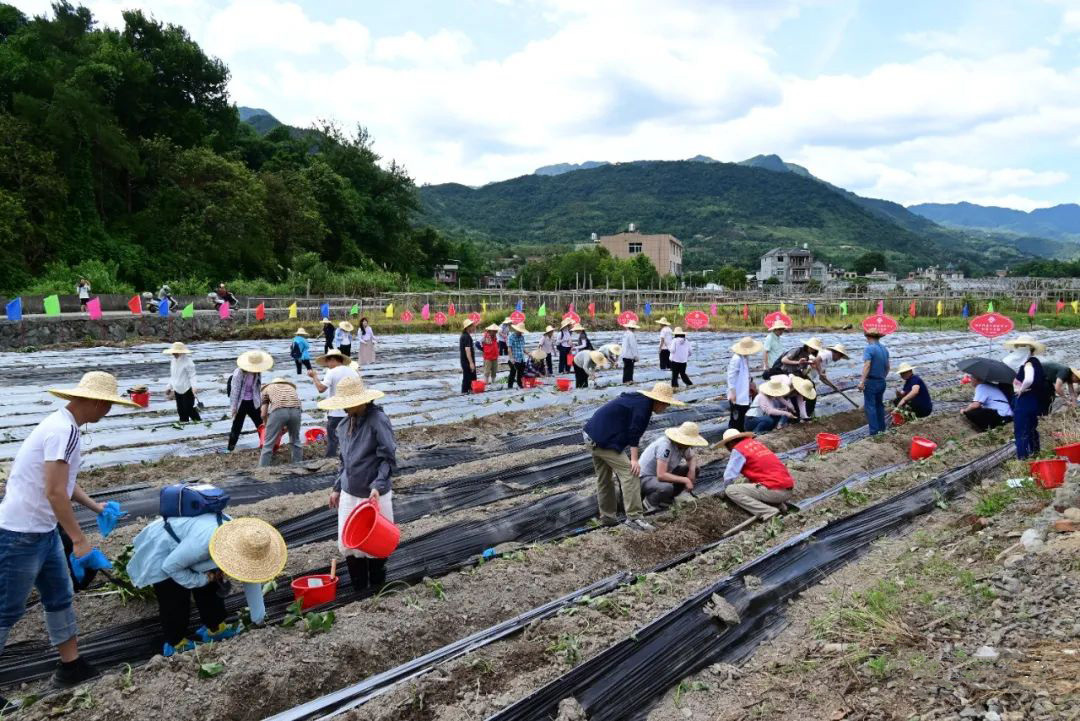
<point>528,382</point>
<point>965,380</point>
<point>478,386</point>
<point>314,435</point>
<point>262,438</point>
<point>563,383</point>
<point>827,442</point>
<point>898,418</point>
<point>921,448</point>
<point>1049,474</point>
<point>570,359</point>
<point>369,531</point>
<point>1071,451</point>
<point>314,595</point>
<point>143,399</point>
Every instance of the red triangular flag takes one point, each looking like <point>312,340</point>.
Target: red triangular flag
<point>1060,306</point>
<point>746,312</point>
<point>451,310</point>
<point>571,309</point>
<point>135,304</point>
<point>260,311</point>
<point>592,310</point>
<point>911,309</point>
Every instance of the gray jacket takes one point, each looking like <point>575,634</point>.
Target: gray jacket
<point>368,451</point>
<point>238,386</point>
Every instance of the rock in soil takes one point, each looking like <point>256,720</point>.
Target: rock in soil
<point>571,710</point>
<point>721,609</point>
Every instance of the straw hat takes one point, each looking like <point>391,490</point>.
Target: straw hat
<point>778,325</point>
<point>804,387</point>
<point>747,346</point>
<point>549,329</point>
<point>351,392</point>
<point>775,387</point>
<point>466,322</point>
<point>733,434</point>
<point>327,321</point>
<point>255,361</point>
<point>249,550</point>
<point>873,333</point>
<point>566,322</point>
<point>904,368</point>
<point>283,379</point>
<point>577,328</point>
<point>177,348</point>
<point>538,354</point>
<point>598,358</point>
<point>96,386</point>
<point>631,324</point>
<point>300,331</point>
<point>493,328</point>
<point>332,353</point>
<point>662,392</point>
<point>615,349</point>
<point>1027,342</point>
<point>663,321</point>
<point>839,348</point>
<point>355,366</point>
<point>519,327</point>
<point>345,326</point>
<point>814,344</point>
<point>678,331</point>
<point>686,435</point>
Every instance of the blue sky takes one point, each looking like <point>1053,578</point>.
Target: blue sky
<point>914,101</point>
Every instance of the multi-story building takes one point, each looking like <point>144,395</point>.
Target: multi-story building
<point>787,265</point>
<point>664,250</point>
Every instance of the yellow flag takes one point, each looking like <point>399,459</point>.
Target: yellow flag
<point>940,308</point>
<point>783,307</point>
<point>390,311</point>
<point>618,307</point>
<point>483,306</point>
<point>1075,304</point>
<point>292,310</point>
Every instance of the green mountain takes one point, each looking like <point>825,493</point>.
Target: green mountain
<point>260,119</point>
<point>1060,222</point>
<point>723,212</point>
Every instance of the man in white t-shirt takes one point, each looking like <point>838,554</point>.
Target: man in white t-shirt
<point>668,465</point>
<point>38,496</point>
<point>337,367</point>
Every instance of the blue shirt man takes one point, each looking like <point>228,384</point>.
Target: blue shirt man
<point>872,384</point>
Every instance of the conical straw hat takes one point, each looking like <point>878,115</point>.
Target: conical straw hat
<point>345,326</point>
<point>249,550</point>
<point>686,435</point>
<point>664,393</point>
<point>96,386</point>
<point>839,348</point>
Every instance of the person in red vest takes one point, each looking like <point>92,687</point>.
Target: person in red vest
<point>770,485</point>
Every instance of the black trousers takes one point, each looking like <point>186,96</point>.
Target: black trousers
<point>581,377</point>
<point>174,608</point>
<point>246,409</point>
<point>185,407</point>
<point>678,370</point>
<point>665,359</point>
<point>346,349</point>
<point>468,375</point>
<point>985,418</point>
<point>564,367</point>
<point>738,417</point>
<point>547,361</point>
<point>517,372</point>
<point>301,362</point>
<point>810,406</point>
<point>628,370</point>
<point>328,343</point>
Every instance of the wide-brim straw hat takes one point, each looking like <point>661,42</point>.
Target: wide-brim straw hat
<point>631,324</point>
<point>578,328</point>
<point>249,550</point>
<point>775,388</point>
<point>664,393</point>
<point>332,353</point>
<point>839,348</point>
<point>734,434</point>
<point>678,331</point>
<point>327,321</point>
<point>493,328</point>
<point>466,322</point>
<point>549,329</point>
<point>95,386</point>
<point>345,326</point>
<point>566,322</point>
<point>351,392</point>
<point>519,327</point>
<point>1026,341</point>
<point>686,435</point>
<point>615,349</point>
<point>255,361</point>
<point>904,368</point>
<point>814,344</point>
<point>283,379</point>
<point>747,346</point>
<point>663,321</point>
<point>778,325</point>
<point>873,333</point>
<point>538,354</point>
<point>804,387</point>
<point>300,331</point>
<point>598,358</point>
<point>177,348</point>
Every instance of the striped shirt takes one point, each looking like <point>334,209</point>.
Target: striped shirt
<point>280,395</point>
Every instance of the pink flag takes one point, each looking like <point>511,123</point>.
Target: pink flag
<point>1033,308</point>
<point>712,310</point>
<point>451,310</point>
<point>571,309</point>
<point>881,307</point>
<point>425,312</point>
<point>1060,306</point>
<point>93,307</point>
<point>223,311</point>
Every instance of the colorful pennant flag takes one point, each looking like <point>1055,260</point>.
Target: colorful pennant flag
<point>135,305</point>
<point>617,306</point>
<point>940,308</point>
<point>425,312</point>
<point>648,309</point>
<point>189,311</point>
<point>14,309</point>
<point>843,307</point>
<point>324,310</point>
<point>355,310</point>
<point>682,311</point>
<point>520,307</point>
<point>783,307</point>
<point>260,311</point>
<point>811,308</point>
<point>881,307</point>
<point>451,310</point>
<point>746,312</point>
<point>571,309</point>
<point>1032,308</point>
<point>1060,305</point>
<point>292,311</point>
<point>966,312</point>
<point>990,307</point>
<point>163,308</point>
<point>1076,306</point>
<point>592,310</point>
<point>483,306</point>
<point>911,309</point>
<point>93,307</point>
<point>712,310</point>
<point>390,311</point>
<point>223,311</point>
<point>543,310</point>
<point>52,305</point>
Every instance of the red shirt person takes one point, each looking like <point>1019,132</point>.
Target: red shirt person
<point>769,485</point>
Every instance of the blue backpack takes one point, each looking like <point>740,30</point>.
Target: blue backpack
<point>187,500</point>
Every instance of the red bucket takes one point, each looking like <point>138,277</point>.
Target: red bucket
<point>314,595</point>
<point>570,359</point>
<point>827,442</point>
<point>142,399</point>
<point>369,531</point>
<point>921,448</point>
<point>262,438</point>
<point>528,382</point>
<point>898,418</point>
<point>1049,474</point>
<point>314,435</point>
<point>479,386</point>
<point>1071,452</point>
<point>563,383</point>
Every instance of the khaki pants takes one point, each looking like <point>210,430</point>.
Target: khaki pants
<point>607,464</point>
<point>491,370</point>
<point>757,499</point>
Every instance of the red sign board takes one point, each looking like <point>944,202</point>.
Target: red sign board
<point>517,317</point>
<point>440,318</point>
<point>573,316</point>
<point>626,316</point>
<point>475,317</point>
<point>407,316</point>
<point>775,316</point>
<point>991,325</point>
<point>880,323</point>
<point>696,319</point>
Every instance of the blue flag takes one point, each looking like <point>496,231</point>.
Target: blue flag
<point>520,308</point>
<point>14,309</point>
<point>163,308</point>
<point>965,311</point>
<point>324,310</point>
<point>648,309</point>
<point>810,307</point>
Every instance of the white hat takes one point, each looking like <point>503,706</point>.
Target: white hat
<point>519,327</point>
<point>566,322</point>
<point>300,331</point>
<point>1026,341</point>
<point>577,328</point>
<point>177,348</point>
<point>630,324</point>
<point>904,368</point>
<point>467,322</point>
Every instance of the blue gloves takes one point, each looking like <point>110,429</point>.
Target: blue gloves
<point>93,561</point>
<point>108,518</point>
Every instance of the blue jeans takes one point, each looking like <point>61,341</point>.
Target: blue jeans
<point>764,424</point>
<point>1026,425</point>
<point>874,404</point>
<point>29,560</point>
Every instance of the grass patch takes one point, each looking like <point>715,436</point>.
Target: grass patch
<point>871,618</point>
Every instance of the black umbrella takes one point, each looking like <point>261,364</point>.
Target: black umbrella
<point>987,369</point>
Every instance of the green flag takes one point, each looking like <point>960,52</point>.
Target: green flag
<point>843,307</point>
<point>681,310</point>
<point>990,307</point>
<point>52,305</point>
<point>543,310</point>
<point>355,310</point>
<point>188,311</point>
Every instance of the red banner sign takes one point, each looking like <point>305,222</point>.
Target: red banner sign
<point>775,316</point>
<point>439,318</point>
<point>517,317</point>
<point>475,317</point>
<point>626,316</point>
<point>991,325</point>
<point>572,316</point>
<point>407,316</point>
<point>880,323</point>
<point>696,319</point>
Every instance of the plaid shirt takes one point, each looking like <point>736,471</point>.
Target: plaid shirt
<point>516,344</point>
<point>280,395</point>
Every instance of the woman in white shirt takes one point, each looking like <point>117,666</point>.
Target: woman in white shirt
<point>629,352</point>
<point>366,338</point>
<point>665,344</point>
<point>990,408</point>
<point>680,356</point>
<point>182,382</point>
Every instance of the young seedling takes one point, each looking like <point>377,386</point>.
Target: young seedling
<point>685,687</point>
<point>567,646</point>
<point>211,669</point>
<point>436,588</point>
